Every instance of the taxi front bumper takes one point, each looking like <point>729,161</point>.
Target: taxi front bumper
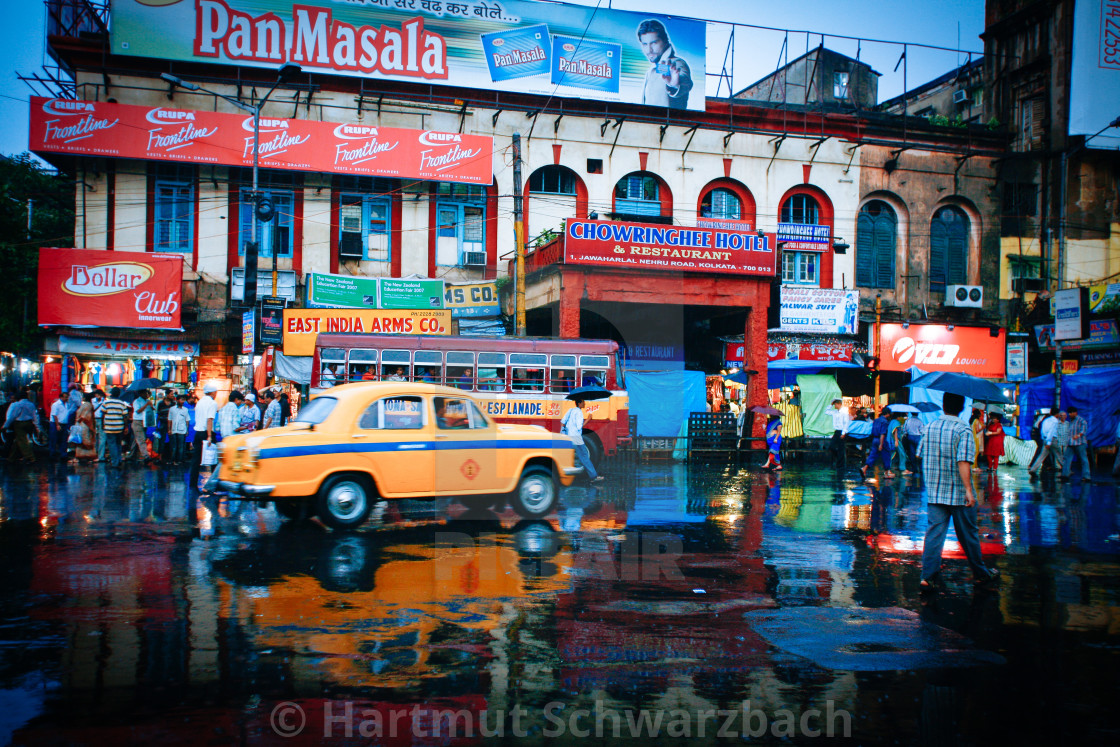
<point>245,489</point>
<point>572,471</point>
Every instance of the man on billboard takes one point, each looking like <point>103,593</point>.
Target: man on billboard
<point>669,80</point>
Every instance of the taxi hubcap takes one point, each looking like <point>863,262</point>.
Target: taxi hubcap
<point>346,500</point>
<point>536,493</point>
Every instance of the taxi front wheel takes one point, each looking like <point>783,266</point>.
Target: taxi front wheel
<point>344,501</point>
<point>536,493</point>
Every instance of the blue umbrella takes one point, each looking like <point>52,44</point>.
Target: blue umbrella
<point>927,407</point>
<point>962,384</point>
<point>588,393</point>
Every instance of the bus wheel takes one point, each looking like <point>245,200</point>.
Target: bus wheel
<point>594,448</point>
<point>344,501</point>
<point>535,495</point>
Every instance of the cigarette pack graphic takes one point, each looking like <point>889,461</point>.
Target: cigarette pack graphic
<point>518,53</point>
<point>586,64</point>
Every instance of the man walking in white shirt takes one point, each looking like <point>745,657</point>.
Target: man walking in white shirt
<point>572,427</point>
<point>841,421</point>
<point>205,413</point>
<point>1049,429</point>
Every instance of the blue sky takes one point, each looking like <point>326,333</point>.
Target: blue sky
<point>932,22</point>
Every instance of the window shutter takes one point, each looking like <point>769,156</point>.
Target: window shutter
<point>884,250</point>
<point>957,254</point>
<point>938,242</point>
<point>865,250</point>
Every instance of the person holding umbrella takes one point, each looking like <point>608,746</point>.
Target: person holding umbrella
<point>773,443</point>
<point>572,427</point>
<point>993,441</point>
<point>880,449</point>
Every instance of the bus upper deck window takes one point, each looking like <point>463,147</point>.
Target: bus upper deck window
<point>563,373</point>
<point>395,365</point>
<point>429,366</point>
<point>528,371</point>
<point>363,365</point>
<point>491,372</point>
<point>460,370</point>
<point>593,370</point>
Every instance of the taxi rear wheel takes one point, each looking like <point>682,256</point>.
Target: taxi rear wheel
<point>344,501</point>
<point>536,492</point>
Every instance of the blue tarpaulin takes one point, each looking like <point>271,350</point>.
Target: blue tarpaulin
<point>662,400</point>
<point>785,373</point>
<point>1095,392</point>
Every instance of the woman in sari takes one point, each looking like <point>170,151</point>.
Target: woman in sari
<point>977,425</point>
<point>86,451</point>
<point>993,443</point>
<point>774,443</point>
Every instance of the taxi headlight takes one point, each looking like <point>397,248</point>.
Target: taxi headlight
<point>247,455</point>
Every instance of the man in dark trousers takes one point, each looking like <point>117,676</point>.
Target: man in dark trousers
<point>879,449</point>
<point>841,421</point>
<point>947,452</point>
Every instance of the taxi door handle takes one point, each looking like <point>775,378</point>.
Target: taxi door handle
<point>441,436</point>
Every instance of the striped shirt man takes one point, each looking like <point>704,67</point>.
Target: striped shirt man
<point>946,441</point>
<point>114,413</point>
<point>1078,427</point>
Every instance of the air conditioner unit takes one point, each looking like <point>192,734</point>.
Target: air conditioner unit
<point>1028,285</point>
<point>959,97</point>
<point>966,296</point>
<point>350,246</point>
<point>474,259</point>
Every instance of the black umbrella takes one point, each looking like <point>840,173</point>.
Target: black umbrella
<point>588,393</point>
<point>139,384</point>
<point>972,387</point>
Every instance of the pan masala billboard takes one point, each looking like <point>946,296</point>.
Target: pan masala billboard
<point>162,133</point>
<point>512,45</point>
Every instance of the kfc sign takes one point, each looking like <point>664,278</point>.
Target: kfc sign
<point>86,287</point>
<point>938,347</point>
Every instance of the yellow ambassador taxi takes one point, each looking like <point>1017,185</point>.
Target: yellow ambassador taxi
<point>361,442</point>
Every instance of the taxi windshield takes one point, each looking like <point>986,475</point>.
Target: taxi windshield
<point>316,411</point>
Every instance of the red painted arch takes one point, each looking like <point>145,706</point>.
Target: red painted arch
<point>827,217</point>
<point>749,210</point>
<point>581,195</point>
<point>664,194</point>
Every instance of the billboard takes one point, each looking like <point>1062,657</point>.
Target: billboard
<point>164,134</point>
<point>551,49</point>
<point>1095,70</point>
<point>659,247</point>
<point>302,326</point>
<point>940,347</point>
<point>1071,314</point>
<point>826,310</point>
<point>473,300</point>
<point>94,288</point>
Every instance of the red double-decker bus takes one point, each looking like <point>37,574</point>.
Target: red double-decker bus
<point>520,379</point>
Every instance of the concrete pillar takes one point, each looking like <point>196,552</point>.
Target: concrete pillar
<point>754,359</point>
<point>571,292</point>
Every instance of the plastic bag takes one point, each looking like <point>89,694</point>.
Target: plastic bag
<point>209,454</point>
<point>75,435</point>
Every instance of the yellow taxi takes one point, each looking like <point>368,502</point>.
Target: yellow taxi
<point>361,442</point>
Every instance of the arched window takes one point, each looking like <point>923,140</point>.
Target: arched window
<point>637,194</point>
<point>553,180</point>
<point>948,248</point>
<point>876,238</point>
<point>721,203</point>
<point>801,267</point>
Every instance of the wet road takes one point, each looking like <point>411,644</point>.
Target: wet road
<point>703,605</point>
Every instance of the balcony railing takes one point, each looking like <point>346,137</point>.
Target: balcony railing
<point>542,256</point>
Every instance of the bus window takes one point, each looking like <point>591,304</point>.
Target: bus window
<point>491,372</point>
<point>588,375</point>
<point>362,365</point>
<point>429,366</point>
<point>527,371</point>
<point>395,365</point>
<point>460,370</point>
<point>563,373</point>
<point>332,367</point>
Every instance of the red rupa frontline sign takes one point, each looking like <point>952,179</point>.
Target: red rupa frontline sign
<point>658,247</point>
<point>144,132</point>
<point>89,287</point>
<point>936,347</point>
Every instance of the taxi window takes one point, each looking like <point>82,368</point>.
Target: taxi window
<point>527,371</point>
<point>394,414</point>
<point>563,372</point>
<point>429,365</point>
<point>453,413</point>
<point>315,411</point>
<point>491,372</point>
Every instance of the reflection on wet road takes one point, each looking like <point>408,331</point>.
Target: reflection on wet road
<point>135,611</point>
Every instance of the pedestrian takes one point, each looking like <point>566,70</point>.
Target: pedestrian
<point>21,420</point>
<point>1078,446</point>
<point>572,427</point>
<point>140,408</point>
<point>841,421</point>
<point>73,402</point>
<point>773,444</point>
<point>97,402</point>
<point>993,441</point>
<point>879,449</point>
<point>86,449</point>
<point>286,408</point>
<point>948,451</point>
<point>250,415</point>
<point>178,423</point>
<point>205,413</point>
<point>229,417</point>
<point>114,415</point>
<point>894,440</point>
<point>1061,441</point>
<point>271,410</point>
<point>976,423</point>
<point>912,437</point>
<point>58,427</point>
<point>163,433</point>
<point>1046,431</point>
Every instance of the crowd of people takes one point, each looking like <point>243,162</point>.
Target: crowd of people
<point>154,426</point>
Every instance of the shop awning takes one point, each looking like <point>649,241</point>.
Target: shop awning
<point>784,373</point>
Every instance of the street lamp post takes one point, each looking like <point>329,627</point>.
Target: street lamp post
<point>1062,245</point>
<point>286,72</point>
